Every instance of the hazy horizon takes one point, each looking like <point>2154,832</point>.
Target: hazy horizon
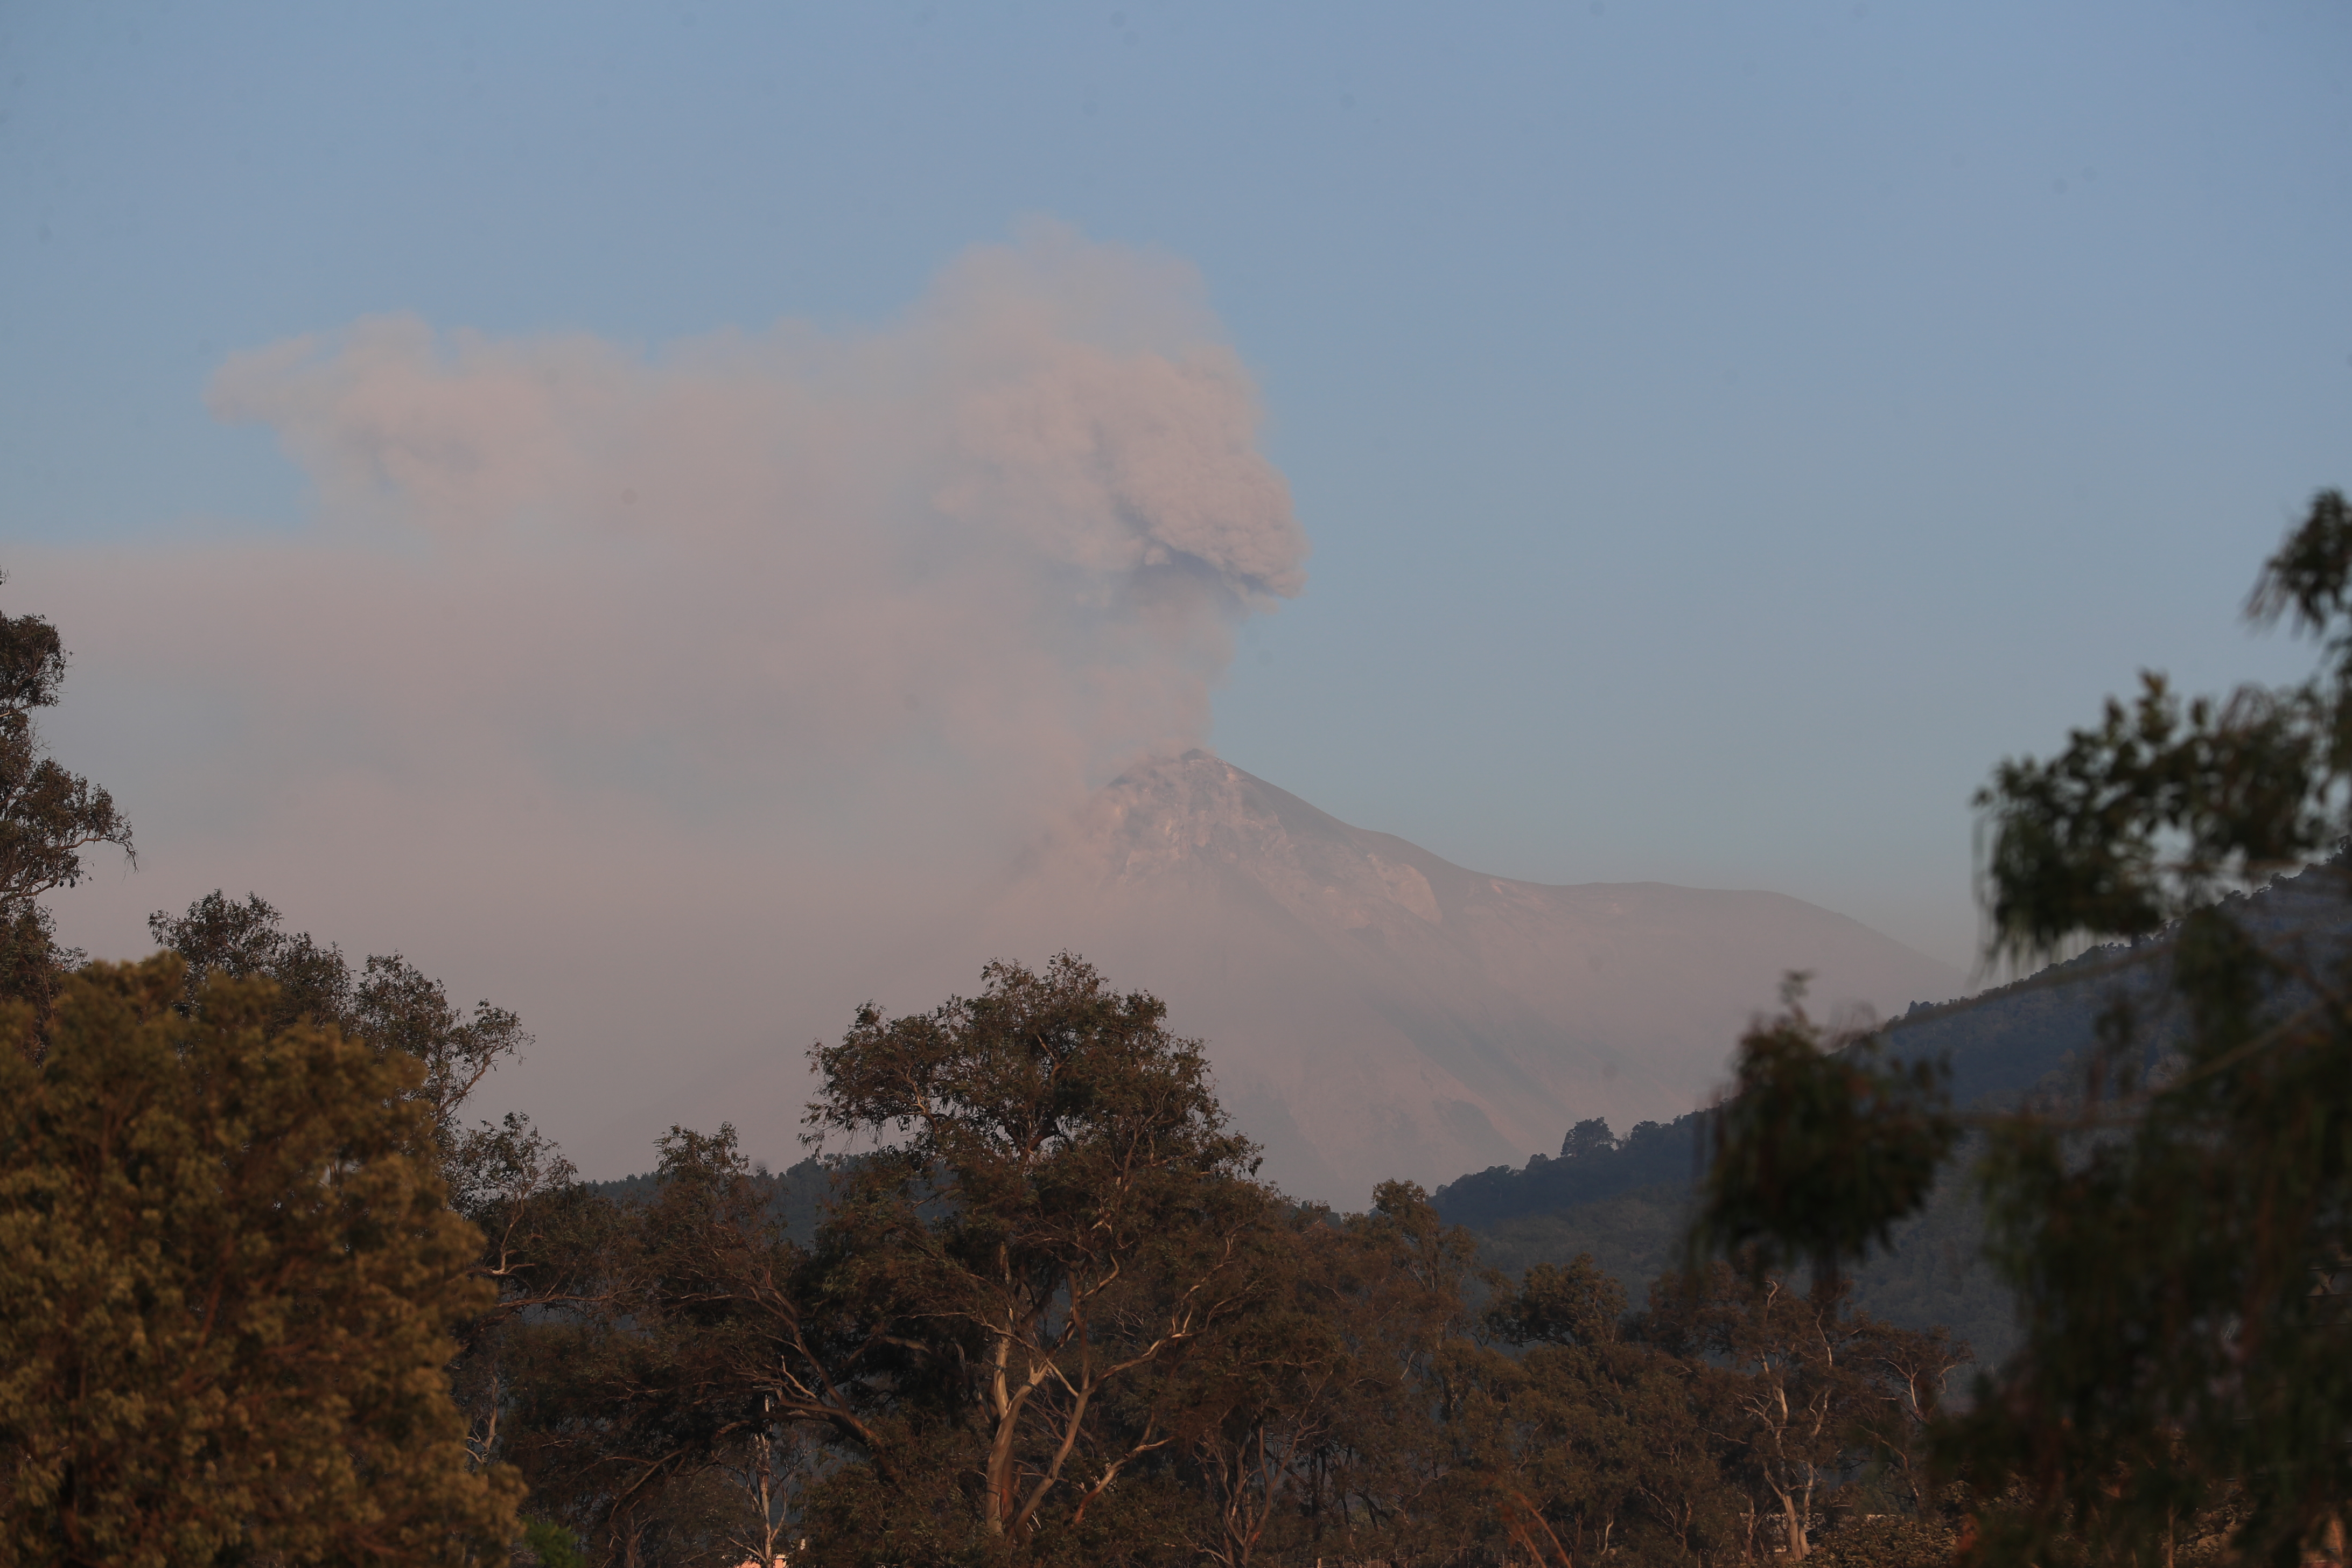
<point>651,518</point>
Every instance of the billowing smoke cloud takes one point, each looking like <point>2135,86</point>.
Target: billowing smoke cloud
<point>661,695</point>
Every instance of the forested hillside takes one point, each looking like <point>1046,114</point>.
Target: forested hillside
<point>1628,1201</point>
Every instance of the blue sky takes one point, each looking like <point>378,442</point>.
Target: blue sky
<point>1724,430</point>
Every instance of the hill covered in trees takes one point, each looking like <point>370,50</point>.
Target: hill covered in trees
<point>1628,1201</point>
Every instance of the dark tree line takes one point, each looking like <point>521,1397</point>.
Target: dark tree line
<point>2178,1225</point>
<point>275,1300</point>
<point>48,815</point>
<point>1049,1316</point>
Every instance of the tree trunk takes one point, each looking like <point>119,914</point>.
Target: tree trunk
<point>1793,1545</point>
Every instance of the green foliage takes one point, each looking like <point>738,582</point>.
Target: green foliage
<point>249,939</point>
<point>648,1362</point>
<point>231,1279</point>
<point>2149,816</point>
<point>1056,1202</point>
<point>1931,1272</point>
<point>1578,1304</point>
<point>1636,1236</point>
<point>983,1333</point>
<point>2177,1229</point>
<point>2155,811</point>
<point>2181,1255</point>
<point>552,1546</point>
<point>48,815</point>
<point>794,1198</point>
<point>1809,1383</point>
<point>1046,1261</point>
<point>387,1002</point>
<point>1819,1152</point>
<point>1591,1166</point>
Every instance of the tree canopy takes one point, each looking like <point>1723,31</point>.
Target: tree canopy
<point>1052,1192</point>
<point>231,1279</point>
<point>1046,1314</point>
<point>387,1002</point>
<point>48,815</point>
<point>2178,1229</point>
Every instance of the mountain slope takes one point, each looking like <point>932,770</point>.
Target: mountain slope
<point>1375,1011</point>
<point>1627,1201</point>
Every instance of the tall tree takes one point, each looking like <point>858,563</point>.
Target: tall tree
<point>48,815</point>
<point>388,1003</point>
<point>672,1365</point>
<point>231,1279</point>
<point>2179,1230</point>
<point>1304,1417</point>
<point>1612,1442</point>
<point>1047,1197</point>
<point>1804,1381</point>
<point>548,1243</point>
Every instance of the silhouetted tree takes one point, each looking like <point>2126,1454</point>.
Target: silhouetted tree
<point>2179,1230</point>
<point>48,815</point>
<point>388,1003</point>
<point>1047,1197</point>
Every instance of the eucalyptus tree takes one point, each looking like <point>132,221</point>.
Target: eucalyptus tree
<point>49,816</point>
<point>2179,1230</point>
<point>387,1002</point>
<point>1044,1197</point>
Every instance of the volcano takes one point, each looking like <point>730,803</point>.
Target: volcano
<point>1374,1011</point>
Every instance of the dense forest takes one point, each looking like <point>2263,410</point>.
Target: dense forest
<point>1116,1347</point>
<point>1047,1315</point>
<point>278,1298</point>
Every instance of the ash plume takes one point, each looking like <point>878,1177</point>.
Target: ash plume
<point>655,690</point>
